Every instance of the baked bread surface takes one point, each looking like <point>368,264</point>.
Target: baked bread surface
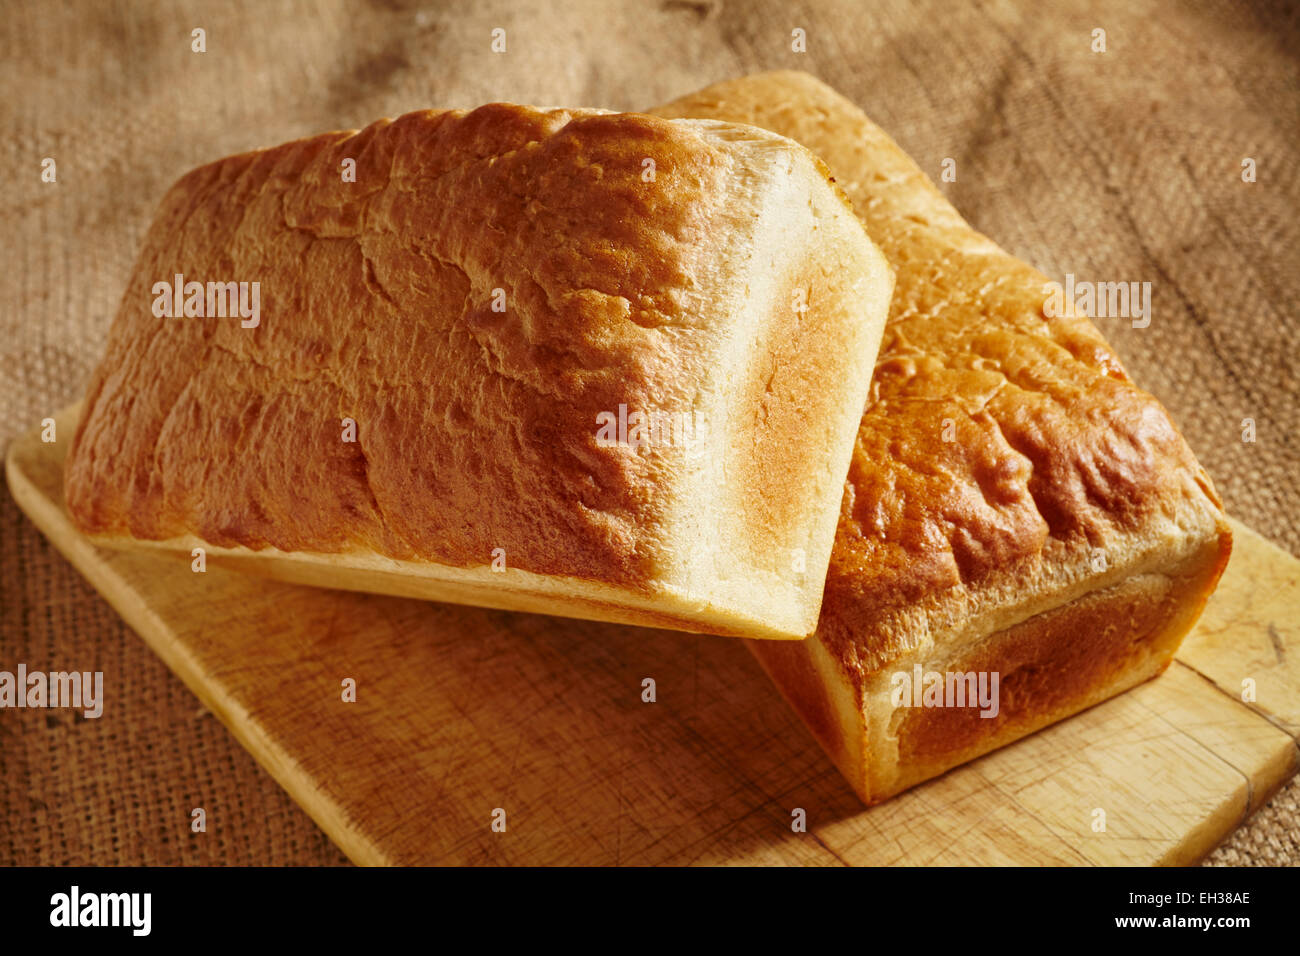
<point>1015,501</point>
<point>489,284</point>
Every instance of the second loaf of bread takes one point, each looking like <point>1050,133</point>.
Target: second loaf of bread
<point>593,364</point>
<point>1020,519</point>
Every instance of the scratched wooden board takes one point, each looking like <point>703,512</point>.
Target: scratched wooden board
<point>462,711</point>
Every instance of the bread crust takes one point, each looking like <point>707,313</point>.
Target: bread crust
<point>1006,471</point>
<point>485,286</point>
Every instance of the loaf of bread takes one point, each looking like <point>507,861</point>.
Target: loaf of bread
<point>586,363</point>
<point>1024,532</point>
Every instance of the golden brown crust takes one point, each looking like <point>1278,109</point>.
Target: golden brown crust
<point>499,191</point>
<point>1001,451</point>
<point>1057,664</point>
<point>1050,666</point>
<point>1015,502</point>
<point>476,428</point>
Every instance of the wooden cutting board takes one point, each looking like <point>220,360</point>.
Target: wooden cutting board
<point>462,712</point>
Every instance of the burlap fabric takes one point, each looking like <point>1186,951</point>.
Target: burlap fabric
<point>1122,165</point>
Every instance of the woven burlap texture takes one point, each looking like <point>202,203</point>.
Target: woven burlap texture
<point>1122,165</point>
